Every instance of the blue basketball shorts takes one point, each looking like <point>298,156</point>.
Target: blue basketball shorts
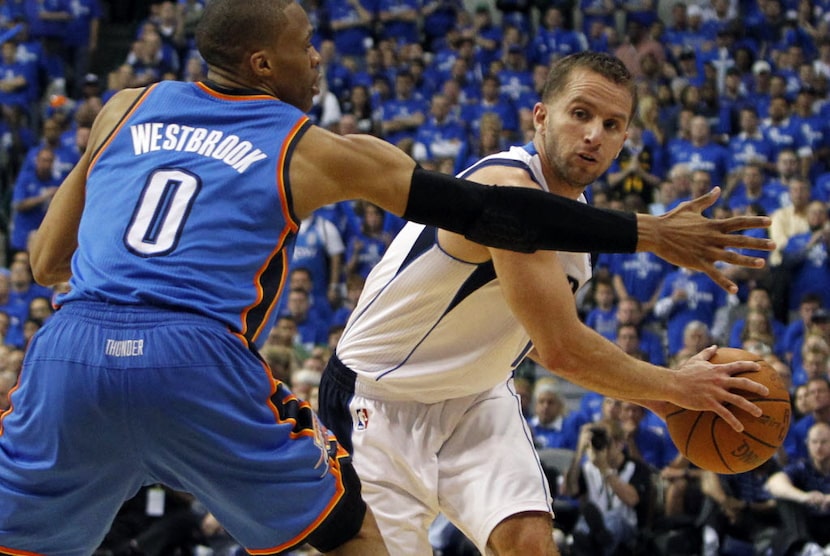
<point>111,398</point>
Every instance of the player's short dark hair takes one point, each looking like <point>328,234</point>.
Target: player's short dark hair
<point>229,30</point>
<point>608,66</point>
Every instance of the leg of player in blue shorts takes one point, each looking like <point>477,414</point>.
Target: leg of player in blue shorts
<point>85,429</point>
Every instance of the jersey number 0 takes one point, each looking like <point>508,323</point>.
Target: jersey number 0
<point>161,213</point>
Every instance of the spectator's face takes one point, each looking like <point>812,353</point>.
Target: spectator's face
<point>9,51</point>
<point>799,193</point>
<point>749,121</point>
<point>611,409</point>
<point>631,412</point>
<point>753,178</point>
<point>374,217</point>
<point>816,215</point>
<point>819,394</point>
<point>759,299</point>
<point>628,313</point>
<point>40,309</point>
<point>803,403</point>
<point>284,332</point>
<point>548,406</point>
<point>20,275</point>
<point>699,129</point>
<point>301,280</point>
<point>604,296</point>
<point>818,443</point>
<point>787,164</point>
<point>628,339</point>
<point>298,304</point>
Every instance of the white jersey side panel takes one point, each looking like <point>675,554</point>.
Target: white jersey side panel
<point>429,327</point>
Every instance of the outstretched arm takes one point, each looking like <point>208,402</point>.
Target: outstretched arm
<point>328,168</point>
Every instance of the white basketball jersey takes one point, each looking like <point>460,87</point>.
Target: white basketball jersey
<point>429,327</point>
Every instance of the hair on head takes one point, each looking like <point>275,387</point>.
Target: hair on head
<point>229,30</point>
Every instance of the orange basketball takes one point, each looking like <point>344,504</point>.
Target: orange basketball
<point>710,443</point>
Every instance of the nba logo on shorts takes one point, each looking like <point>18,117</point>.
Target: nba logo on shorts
<point>362,418</point>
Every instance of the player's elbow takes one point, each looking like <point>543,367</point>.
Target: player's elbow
<point>46,275</point>
<point>47,271</point>
<point>556,356</point>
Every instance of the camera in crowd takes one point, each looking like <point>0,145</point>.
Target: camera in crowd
<point>599,438</point>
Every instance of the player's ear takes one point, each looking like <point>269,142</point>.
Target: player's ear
<point>260,64</point>
<point>540,112</point>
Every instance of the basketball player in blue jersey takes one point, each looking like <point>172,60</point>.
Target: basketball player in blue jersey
<point>175,230</point>
<point>419,390</point>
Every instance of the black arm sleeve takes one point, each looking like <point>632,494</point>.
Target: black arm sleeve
<point>517,218</point>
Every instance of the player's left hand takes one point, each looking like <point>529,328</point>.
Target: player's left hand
<point>711,387</point>
<point>689,239</point>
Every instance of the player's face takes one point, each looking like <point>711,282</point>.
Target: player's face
<point>580,132</point>
<point>296,75</point>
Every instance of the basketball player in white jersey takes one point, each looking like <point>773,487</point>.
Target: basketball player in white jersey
<point>420,389</point>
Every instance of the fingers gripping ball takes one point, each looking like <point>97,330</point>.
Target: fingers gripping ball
<point>708,441</point>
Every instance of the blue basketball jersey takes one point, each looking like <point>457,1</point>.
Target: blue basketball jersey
<point>152,238</point>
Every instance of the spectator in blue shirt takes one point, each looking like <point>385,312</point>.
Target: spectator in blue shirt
<point>630,312</point>
<point>33,190</point>
<point>399,20</point>
<point>368,246</point>
<point>784,132</point>
<point>758,300</point>
<point>749,145</point>
<point>650,444</point>
<point>752,188</point>
<point>488,36</point>
<point>553,40</point>
<point>439,18</point>
<point>493,100</point>
<point>551,425</point>
<point>603,317</point>
<point>17,80</point>
<point>688,296</point>
<point>402,115</point>
<point>701,153</point>
<point>807,257</point>
<point>441,136</point>
<point>351,26</point>
<point>803,492</point>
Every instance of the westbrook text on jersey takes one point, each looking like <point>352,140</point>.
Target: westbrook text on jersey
<point>230,149</point>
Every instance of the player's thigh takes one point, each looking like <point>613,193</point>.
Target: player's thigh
<point>252,452</point>
<point>489,469</point>
<point>66,459</point>
<point>394,457</point>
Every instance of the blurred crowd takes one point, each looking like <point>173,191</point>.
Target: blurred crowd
<point>732,93</point>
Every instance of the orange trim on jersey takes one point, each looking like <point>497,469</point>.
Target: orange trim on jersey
<point>291,227</point>
<point>334,469</point>
<point>117,129</point>
<point>282,171</point>
<point>223,96</point>
<point>260,294</point>
<point>11,404</point>
<point>13,552</point>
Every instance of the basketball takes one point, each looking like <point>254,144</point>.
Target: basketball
<point>708,441</point>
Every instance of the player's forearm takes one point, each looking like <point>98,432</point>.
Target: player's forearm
<point>518,219</point>
<point>587,359</point>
